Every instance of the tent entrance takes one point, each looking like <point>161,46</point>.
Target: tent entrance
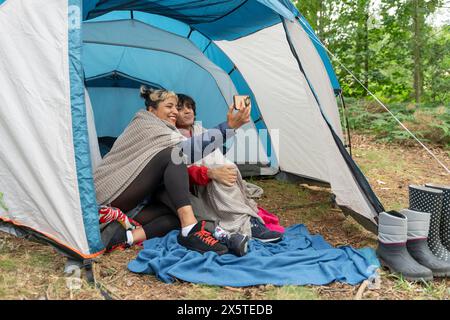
<point>119,56</point>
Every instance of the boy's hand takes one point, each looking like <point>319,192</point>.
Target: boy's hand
<point>226,174</point>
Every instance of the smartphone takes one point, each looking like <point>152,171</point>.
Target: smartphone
<point>241,101</point>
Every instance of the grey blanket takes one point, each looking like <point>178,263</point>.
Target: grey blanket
<point>229,207</point>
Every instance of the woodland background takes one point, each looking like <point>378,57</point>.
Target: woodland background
<point>400,50</point>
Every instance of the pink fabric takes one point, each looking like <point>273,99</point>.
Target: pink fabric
<point>271,221</point>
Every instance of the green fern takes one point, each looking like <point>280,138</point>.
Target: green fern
<point>365,118</point>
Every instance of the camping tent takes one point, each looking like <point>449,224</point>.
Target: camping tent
<point>51,51</point>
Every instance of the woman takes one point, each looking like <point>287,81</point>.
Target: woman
<point>145,160</point>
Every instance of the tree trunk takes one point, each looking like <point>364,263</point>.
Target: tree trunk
<point>320,16</point>
<point>366,44</point>
<point>311,9</point>
<point>362,40</point>
<point>418,23</point>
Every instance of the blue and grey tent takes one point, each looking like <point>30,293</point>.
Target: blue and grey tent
<point>70,72</point>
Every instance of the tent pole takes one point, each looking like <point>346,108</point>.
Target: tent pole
<point>344,111</point>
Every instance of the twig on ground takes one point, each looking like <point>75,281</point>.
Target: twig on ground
<point>233,289</point>
<point>335,290</point>
<point>47,295</point>
<point>361,290</point>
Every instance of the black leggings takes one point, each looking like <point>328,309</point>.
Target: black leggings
<point>160,179</point>
<point>157,220</point>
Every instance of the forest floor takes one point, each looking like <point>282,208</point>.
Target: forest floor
<point>30,270</point>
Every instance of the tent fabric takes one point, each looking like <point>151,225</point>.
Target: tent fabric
<point>321,50</point>
<point>118,80</point>
<point>359,177</point>
<point>38,176</point>
<point>165,70</point>
<point>306,146</point>
<point>299,259</point>
<point>315,70</point>
<point>210,19</point>
<point>247,17</point>
<point>123,103</point>
<point>143,36</point>
<point>94,147</point>
<point>161,22</point>
<point>85,179</point>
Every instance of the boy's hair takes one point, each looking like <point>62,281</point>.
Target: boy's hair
<point>185,99</point>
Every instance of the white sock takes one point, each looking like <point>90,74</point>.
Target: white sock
<point>185,230</point>
<point>130,239</point>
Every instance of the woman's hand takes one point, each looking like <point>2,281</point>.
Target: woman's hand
<point>226,174</point>
<point>238,119</point>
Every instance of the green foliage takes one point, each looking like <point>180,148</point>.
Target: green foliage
<point>376,40</point>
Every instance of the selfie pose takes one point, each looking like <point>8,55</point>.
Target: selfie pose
<point>145,160</point>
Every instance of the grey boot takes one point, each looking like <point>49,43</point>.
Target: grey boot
<point>444,230</point>
<point>429,200</point>
<point>392,251</point>
<point>418,226</point>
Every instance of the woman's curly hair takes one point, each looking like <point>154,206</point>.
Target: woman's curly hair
<point>153,97</point>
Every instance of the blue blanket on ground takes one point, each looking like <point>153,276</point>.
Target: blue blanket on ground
<point>299,259</point>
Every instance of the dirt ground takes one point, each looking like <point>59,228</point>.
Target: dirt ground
<point>34,271</point>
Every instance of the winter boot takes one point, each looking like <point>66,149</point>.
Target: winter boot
<point>392,251</point>
<point>444,230</point>
<point>417,245</point>
<point>429,200</point>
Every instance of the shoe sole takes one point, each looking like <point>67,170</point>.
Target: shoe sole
<point>441,274</point>
<point>413,279</point>
<point>268,240</point>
